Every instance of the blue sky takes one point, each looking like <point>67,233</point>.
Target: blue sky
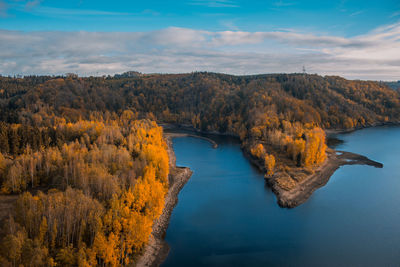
<point>343,17</point>
<point>340,37</point>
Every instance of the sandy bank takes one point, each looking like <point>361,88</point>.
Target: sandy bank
<point>157,249</point>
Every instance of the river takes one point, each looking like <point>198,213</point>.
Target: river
<point>227,216</point>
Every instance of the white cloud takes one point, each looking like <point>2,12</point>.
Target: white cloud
<point>34,8</point>
<point>375,55</point>
<point>32,4</point>
<point>395,14</point>
<point>214,3</point>
<point>356,13</point>
<point>281,3</point>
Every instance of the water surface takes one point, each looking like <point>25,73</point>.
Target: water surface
<point>226,216</point>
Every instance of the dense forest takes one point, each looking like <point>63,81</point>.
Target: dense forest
<point>90,147</point>
<point>208,101</point>
<point>89,191</point>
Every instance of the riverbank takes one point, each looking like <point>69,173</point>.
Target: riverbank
<point>304,189</point>
<point>174,127</point>
<point>309,183</point>
<point>330,132</point>
<point>157,249</point>
<point>227,193</point>
<point>173,135</point>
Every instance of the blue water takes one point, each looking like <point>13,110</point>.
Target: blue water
<point>226,216</point>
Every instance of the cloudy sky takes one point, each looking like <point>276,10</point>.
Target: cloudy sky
<point>352,38</point>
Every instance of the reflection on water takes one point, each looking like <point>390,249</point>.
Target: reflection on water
<point>227,217</point>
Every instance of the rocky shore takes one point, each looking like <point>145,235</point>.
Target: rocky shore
<point>157,249</point>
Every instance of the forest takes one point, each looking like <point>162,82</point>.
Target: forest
<point>90,146</point>
<point>88,191</point>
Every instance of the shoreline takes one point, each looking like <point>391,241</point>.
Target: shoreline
<point>329,132</point>
<point>157,249</point>
<point>190,128</point>
<point>172,135</point>
<point>302,192</point>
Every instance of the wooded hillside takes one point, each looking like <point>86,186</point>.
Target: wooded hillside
<point>90,165</point>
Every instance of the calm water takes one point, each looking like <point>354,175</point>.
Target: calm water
<point>226,216</point>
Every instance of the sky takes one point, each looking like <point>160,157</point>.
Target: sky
<point>356,39</point>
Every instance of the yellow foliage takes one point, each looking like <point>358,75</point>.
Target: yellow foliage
<point>258,151</point>
<point>309,151</point>
<point>256,132</point>
<point>2,163</point>
<point>122,168</point>
<point>149,194</point>
<point>315,151</point>
<point>269,161</point>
